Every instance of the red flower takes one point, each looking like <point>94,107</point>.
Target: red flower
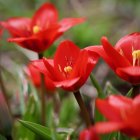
<point>38,33</point>
<point>35,77</point>
<point>123,114</point>
<point>124,58</point>
<point>70,67</point>
<point>88,134</point>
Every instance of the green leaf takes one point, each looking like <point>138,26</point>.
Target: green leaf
<point>97,86</point>
<point>121,136</point>
<point>129,93</point>
<point>31,114</point>
<point>110,89</point>
<point>37,129</point>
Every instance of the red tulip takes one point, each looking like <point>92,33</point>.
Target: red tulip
<point>124,58</point>
<point>35,77</point>
<point>38,33</point>
<point>88,134</point>
<point>123,115</point>
<point>70,67</point>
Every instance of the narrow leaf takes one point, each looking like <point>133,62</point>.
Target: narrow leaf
<point>37,129</point>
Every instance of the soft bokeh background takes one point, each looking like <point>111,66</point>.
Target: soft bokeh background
<point>112,18</point>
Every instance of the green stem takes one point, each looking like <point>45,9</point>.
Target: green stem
<point>4,93</point>
<point>97,86</point>
<point>43,91</point>
<point>83,109</point>
<point>136,90</point>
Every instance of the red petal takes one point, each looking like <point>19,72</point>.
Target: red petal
<point>30,43</point>
<point>130,74</point>
<point>33,74</point>
<point>49,84</point>
<point>45,15</point>
<point>18,27</point>
<point>67,23</point>
<point>108,127</point>
<point>111,112</point>
<point>129,43</point>
<point>66,55</point>
<point>83,67</point>
<point>137,99</point>
<point>88,134</point>
<point>67,84</point>
<point>120,101</point>
<point>117,59</point>
<point>100,50</point>
<point>39,64</point>
<point>85,135</point>
<point>52,73</point>
<point>38,42</point>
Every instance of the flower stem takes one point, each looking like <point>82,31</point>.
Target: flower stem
<point>84,111</point>
<point>4,92</point>
<point>136,90</point>
<point>43,90</point>
<point>97,86</point>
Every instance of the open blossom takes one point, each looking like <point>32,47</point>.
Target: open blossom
<point>70,67</point>
<point>124,57</point>
<point>35,76</point>
<point>123,115</point>
<point>40,31</point>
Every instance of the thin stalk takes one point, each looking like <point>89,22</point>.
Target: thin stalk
<point>43,103</point>
<point>83,109</point>
<point>96,85</point>
<point>136,90</point>
<point>4,92</point>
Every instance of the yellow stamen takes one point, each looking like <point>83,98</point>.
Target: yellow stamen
<point>136,57</point>
<point>68,69</point>
<point>36,29</point>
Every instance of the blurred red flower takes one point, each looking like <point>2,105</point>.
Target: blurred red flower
<point>88,134</point>
<point>123,115</point>
<point>70,67</point>
<point>39,32</point>
<point>35,77</point>
<point>124,58</point>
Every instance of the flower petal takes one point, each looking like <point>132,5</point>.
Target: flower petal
<point>100,51</point>
<point>39,64</point>
<point>52,72</point>
<point>44,16</point>
<point>66,55</point>
<point>67,84</point>
<point>67,23</point>
<point>18,26</point>
<point>117,58</point>
<point>89,134</point>
<point>108,127</point>
<point>127,44</point>
<point>131,74</point>
<point>111,112</point>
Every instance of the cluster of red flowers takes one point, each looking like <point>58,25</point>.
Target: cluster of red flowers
<point>70,67</point>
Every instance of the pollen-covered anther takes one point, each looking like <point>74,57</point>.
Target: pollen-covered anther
<point>36,29</point>
<point>68,69</point>
<point>136,57</point>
